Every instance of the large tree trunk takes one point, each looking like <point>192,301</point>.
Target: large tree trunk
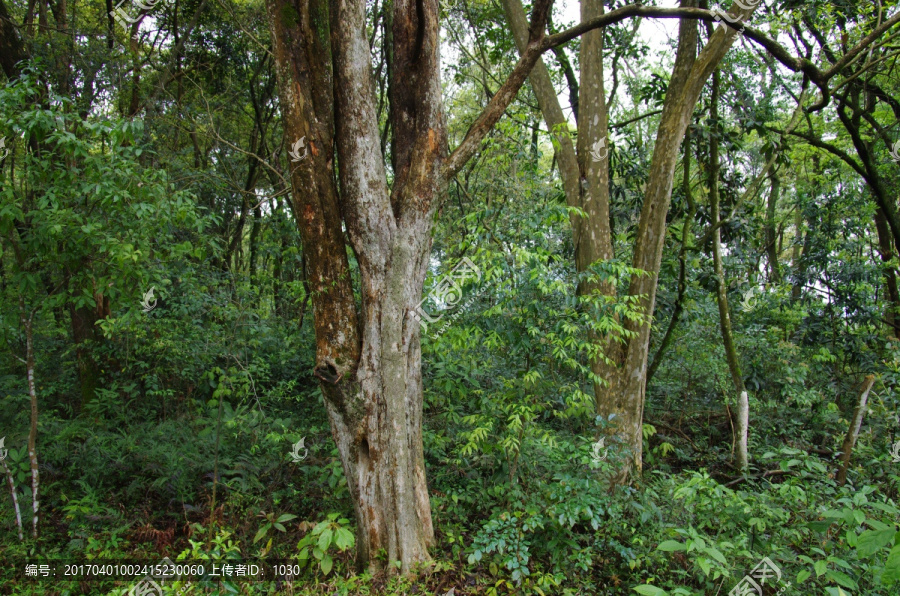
<point>369,365</point>
<point>689,76</point>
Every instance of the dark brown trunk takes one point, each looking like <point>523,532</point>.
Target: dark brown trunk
<point>772,228</point>
<point>892,297</point>
<point>84,334</point>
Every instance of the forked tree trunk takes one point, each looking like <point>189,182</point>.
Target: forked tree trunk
<point>585,173</point>
<point>621,394</point>
<point>369,365</point>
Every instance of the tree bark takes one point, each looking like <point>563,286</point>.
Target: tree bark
<point>892,308</point>
<point>369,366</point>
<point>84,321</point>
<point>15,498</point>
<point>12,46</point>
<point>26,322</point>
<point>689,76</point>
<point>686,238</point>
<point>731,355</point>
<point>771,228</point>
<point>853,431</point>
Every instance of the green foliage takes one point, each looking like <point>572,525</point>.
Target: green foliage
<point>332,532</point>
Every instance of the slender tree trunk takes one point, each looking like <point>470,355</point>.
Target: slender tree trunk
<point>686,238</point>
<point>731,354</point>
<point>853,432</point>
<point>26,321</point>
<point>798,254</point>
<point>15,498</point>
<point>585,173</point>
<point>772,229</point>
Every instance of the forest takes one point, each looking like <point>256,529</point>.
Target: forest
<point>450,297</point>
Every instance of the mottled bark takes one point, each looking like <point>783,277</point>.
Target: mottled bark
<point>369,366</point>
<point>26,320</point>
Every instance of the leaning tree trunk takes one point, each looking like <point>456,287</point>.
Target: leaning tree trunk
<point>689,76</point>
<point>859,413</point>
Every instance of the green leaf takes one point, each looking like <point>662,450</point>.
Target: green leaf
<point>671,546</point>
<point>703,562</point>
<point>343,538</point>
<point>871,541</point>
<point>648,590</point>
<point>841,578</point>
<point>891,572</point>
<point>261,533</point>
<point>717,555</point>
<point>325,539</point>
<point>820,567</point>
<point>326,564</point>
<point>286,517</point>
